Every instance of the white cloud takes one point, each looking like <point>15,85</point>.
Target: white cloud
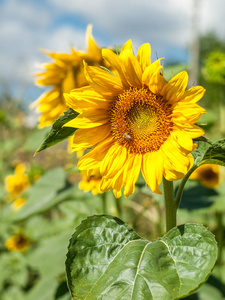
<point>65,37</point>
<point>25,28</point>
<point>165,20</point>
<point>29,25</point>
<point>140,20</point>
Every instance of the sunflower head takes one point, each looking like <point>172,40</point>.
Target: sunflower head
<point>208,175</point>
<point>62,75</point>
<point>18,242</point>
<point>134,120</point>
<point>18,203</point>
<point>91,181</point>
<point>15,184</point>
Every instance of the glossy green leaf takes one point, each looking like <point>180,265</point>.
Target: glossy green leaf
<point>215,154</point>
<point>108,260</point>
<point>210,153</point>
<point>199,152</point>
<point>58,133</point>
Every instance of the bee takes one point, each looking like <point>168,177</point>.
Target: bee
<point>127,136</point>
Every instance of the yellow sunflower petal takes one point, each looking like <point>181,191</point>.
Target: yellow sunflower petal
<point>131,68</point>
<point>46,97</point>
<point>85,138</point>
<point>193,130</point>
<point>108,160</point>
<point>115,183</point>
<point>131,173</point>
<point>172,175</point>
<point>93,50</point>
<point>183,139</point>
<point>20,168</point>
<point>118,184</point>
<point>193,95</point>
<point>150,71</point>
<point>106,184</point>
<point>114,161</point>
<point>93,159</point>
<point>103,82</point>
<point>115,61</point>
<point>117,193</point>
<point>175,87</point>
<point>152,170</point>
<point>177,159</point>
<point>127,46</point>
<point>89,119</point>
<point>190,111</point>
<point>157,82</point>
<point>85,98</point>
<point>144,56</point>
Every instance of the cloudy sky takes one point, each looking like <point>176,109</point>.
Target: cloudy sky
<point>28,25</point>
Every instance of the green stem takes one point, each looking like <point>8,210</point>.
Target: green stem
<point>104,203</point>
<point>118,207</point>
<point>182,184</point>
<point>170,207</point>
<point>219,235</point>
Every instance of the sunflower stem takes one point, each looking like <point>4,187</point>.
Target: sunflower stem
<point>118,207</point>
<point>182,184</point>
<point>219,235</point>
<point>104,203</point>
<point>171,212</point>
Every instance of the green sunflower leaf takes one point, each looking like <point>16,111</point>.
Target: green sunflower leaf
<point>58,133</point>
<point>210,153</point>
<point>215,154</point>
<point>107,260</point>
<point>199,152</point>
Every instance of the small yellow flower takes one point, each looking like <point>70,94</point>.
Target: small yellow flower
<point>135,120</point>
<point>208,175</point>
<point>64,74</point>
<point>17,242</point>
<point>18,203</point>
<point>17,183</point>
<point>91,182</point>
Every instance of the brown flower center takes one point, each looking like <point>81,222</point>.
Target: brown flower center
<point>140,120</point>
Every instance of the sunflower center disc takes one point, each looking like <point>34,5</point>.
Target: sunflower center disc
<point>140,120</point>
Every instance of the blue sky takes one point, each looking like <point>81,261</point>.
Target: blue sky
<point>28,25</point>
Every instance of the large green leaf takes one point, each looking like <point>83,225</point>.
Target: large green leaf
<point>210,154</point>
<point>108,260</point>
<point>215,154</point>
<point>58,133</point>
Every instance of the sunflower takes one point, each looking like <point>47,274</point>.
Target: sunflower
<point>18,242</point>
<point>18,203</point>
<point>135,120</point>
<point>91,182</point>
<point>15,184</point>
<point>64,74</point>
<point>208,175</point>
